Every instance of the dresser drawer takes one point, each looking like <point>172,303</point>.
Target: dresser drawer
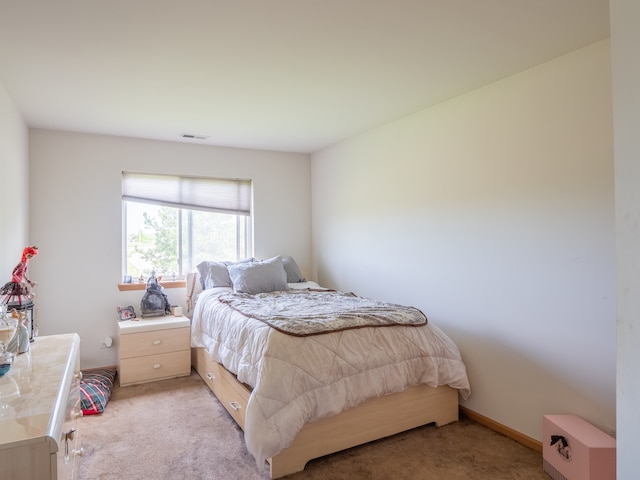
<point>154,367</point>
<point>69,445</point>
<point>154,342</point>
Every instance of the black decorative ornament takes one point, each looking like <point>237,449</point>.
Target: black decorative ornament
<point>154,302</point>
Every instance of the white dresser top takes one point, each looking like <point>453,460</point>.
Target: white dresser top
<point>33,394</point>
<point>152,323</point>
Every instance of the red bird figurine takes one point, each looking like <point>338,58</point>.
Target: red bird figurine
<point>20,286</point>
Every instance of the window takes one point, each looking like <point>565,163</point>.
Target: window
<point>172,223</point>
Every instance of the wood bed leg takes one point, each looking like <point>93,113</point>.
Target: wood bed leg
<point>279,467</point>
<point>448,413</point>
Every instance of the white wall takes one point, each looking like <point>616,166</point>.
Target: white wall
<point>76,220</point>
<point>625,37</point>
<point>493,213</point>
<point>14,193</point>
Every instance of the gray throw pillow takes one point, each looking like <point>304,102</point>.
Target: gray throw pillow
<point>215,274</point>
<point>293,272</point>
<point>259,277</point>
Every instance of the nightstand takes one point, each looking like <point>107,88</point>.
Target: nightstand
<point>154,349</point>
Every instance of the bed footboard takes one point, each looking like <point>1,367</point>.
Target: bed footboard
<point>374,419</point>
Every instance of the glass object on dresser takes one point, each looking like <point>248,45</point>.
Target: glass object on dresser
<point>8,328</point>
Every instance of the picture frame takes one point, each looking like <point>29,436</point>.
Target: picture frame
<point>126,313</point>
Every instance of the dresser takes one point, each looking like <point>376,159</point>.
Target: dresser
<point>39,411</point>
<point>154,348</point>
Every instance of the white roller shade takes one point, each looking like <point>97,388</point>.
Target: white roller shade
<point>199,193</point>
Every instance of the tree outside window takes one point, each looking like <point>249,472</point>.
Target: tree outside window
<point>155,241</point>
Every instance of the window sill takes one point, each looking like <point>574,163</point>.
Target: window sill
<point>123,287</point>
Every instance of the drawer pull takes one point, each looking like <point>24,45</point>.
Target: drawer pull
<point>68,436</point>
<point>78,452</point>
<point>76,413</point>
<point>210,376</point>
<point>157,366</point>
<point>78,375</point>
<point>156,342</point>
<point>235,405</point>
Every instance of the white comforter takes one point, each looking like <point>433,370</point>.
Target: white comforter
<point>300,379</point>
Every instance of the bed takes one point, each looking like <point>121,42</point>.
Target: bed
<point>300,389</point>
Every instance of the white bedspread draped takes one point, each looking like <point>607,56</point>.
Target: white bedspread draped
<point>300,379</point>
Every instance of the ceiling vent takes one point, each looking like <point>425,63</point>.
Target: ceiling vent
<point>194,137</point>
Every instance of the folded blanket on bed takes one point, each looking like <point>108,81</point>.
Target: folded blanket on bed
<point>313,312</point>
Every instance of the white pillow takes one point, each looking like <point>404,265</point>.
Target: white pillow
<point>258,277</point>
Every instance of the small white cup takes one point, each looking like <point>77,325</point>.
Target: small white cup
<point>177,311</point>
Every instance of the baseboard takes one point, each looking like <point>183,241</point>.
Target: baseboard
<point>503,429</point>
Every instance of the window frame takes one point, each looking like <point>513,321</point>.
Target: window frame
<point>238,203</point>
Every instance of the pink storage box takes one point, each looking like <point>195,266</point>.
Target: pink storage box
<point>573,449</point>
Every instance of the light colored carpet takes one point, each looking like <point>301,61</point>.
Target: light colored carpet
<point>176,429</point>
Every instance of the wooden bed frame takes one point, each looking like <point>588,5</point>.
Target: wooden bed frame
<point>371,420</point>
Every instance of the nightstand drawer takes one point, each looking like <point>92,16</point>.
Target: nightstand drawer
<point>154,367</point>
<point>154,342</point>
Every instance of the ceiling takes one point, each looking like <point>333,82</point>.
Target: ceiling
<point>287,75</point>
